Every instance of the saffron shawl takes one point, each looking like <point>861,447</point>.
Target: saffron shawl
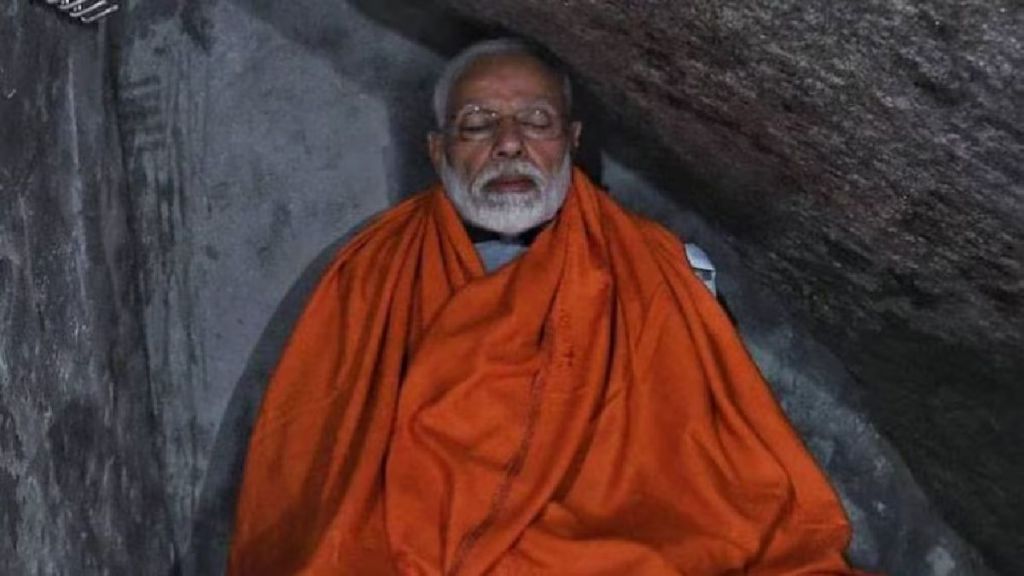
<point>587,409</point>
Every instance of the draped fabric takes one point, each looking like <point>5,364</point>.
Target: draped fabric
<point>585,409</point>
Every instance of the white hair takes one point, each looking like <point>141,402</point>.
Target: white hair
<point>458,65</point>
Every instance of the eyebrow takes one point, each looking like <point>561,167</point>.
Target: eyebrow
<point>481,104</point>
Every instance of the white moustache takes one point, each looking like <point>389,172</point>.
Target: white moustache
<point>509,169</point>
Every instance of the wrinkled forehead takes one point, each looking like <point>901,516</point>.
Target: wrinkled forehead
<point>506,81</point>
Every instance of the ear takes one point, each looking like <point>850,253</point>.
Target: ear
<point>435,147</point>
<point>575,129</point>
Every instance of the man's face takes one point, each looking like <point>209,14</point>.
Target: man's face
<point>504,156</point>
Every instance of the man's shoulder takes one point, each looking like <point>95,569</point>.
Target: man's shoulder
<point>388,224</point>
<point>651,229</point>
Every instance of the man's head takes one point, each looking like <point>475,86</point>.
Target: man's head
<point>504,141</point>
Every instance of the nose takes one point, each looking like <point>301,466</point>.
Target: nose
<point>508,140</point>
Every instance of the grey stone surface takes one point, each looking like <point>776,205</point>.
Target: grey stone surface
<point>177,179</point>
<point>867,160</point>
<point>80,486</point>
<point>252,149</point>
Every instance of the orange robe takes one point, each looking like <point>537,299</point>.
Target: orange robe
<point>587,409</point>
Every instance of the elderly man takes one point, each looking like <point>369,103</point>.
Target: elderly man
<point>510,374</point>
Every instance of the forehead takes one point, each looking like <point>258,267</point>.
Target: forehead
<point>506,79</point>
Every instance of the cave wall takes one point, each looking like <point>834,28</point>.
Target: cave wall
<point>80,486</point>
<point>252,153</point>
<point>195,164</point>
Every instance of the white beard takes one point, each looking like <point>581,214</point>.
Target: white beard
<point>508,213</point>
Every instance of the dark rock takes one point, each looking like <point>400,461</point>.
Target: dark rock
<point>80,491</point>
<point>868,162</point>
<point>10,520</point>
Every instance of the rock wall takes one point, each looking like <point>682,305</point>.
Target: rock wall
<point>80,483</point>
<point>251,153</point>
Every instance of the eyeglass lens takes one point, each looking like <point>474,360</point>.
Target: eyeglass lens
<point>535,123</point>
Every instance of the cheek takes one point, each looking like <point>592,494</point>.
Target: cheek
<point>468,162</point>
<point>548,156</point>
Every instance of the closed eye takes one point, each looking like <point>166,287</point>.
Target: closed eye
<point>535,118</point>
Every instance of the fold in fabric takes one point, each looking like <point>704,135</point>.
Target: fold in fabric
<point>585,409</point>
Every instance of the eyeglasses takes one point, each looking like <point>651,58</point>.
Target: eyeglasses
<point>477,124</point>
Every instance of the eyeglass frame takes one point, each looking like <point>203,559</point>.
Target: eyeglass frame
<point>560,124</point>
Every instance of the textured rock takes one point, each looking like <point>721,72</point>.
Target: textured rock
<point>80,490</point>
<point>252,143</point>
<point>867,160</point>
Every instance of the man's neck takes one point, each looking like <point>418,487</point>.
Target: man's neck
<point>478,235</point>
